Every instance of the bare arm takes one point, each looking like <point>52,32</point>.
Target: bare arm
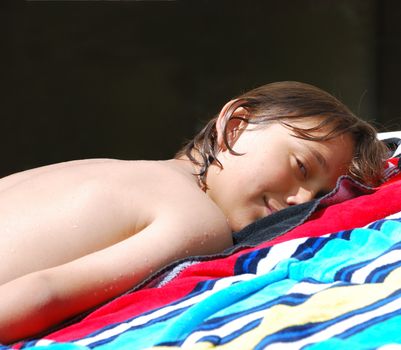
<point>33,303</point>
<point>59,215</point>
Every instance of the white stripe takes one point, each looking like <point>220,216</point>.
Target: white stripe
<point>394,216</point>
<point>44,342</point>
<point>339,327</point>
<point>278,253</point>
<point>389,347</point>
<point>225,330</point>
<point>236,324</point>
<point>275,255</point>
<point>362,274</point>
<point>388,135</point>
<point>122,327</point>
<point>308,288</point>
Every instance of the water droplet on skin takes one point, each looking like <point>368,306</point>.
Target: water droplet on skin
<point>75,226</point>
<point>202,243</point>
<point>187,251</point>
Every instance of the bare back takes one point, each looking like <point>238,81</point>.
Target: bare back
<point>59,213</point>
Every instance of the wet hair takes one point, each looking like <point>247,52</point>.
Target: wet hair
<point>287,102</point>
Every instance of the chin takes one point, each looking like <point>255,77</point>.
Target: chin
<point>238,225</point>
<point>241,218</point>
<point>235,225</point>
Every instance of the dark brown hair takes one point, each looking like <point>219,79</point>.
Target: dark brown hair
<point>283,102</point>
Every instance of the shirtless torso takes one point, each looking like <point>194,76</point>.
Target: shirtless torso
<point>89,230</point>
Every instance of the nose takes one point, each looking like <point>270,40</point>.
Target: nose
<point>301,195</point>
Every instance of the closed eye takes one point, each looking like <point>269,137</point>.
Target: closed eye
<point>302,168</point>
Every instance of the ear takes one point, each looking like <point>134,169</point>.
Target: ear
<point>234,127</point>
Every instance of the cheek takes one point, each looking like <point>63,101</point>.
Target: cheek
<point>278,180</point>
<point>243,179</point>
<point>257,171</point>
<point>275,168</point>
<point>272,177</point>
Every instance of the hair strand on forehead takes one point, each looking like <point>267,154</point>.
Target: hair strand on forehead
<point>286,103</point>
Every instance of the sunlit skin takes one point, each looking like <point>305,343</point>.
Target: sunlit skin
<point>76,234</point>
<point>275,170</point>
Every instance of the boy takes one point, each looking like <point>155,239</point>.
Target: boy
<point>76,234</point>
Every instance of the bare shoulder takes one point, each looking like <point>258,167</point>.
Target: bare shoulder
<point>186,209</point>
<point>129,194</point>
<point>167,192</point>
<point>93,204</point>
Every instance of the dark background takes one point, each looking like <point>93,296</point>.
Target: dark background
<point>134,79</point>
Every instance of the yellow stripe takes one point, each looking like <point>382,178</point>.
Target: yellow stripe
<point>322,306</point>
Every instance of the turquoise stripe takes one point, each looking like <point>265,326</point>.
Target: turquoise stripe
<point>191,318</point>
<point>387,332</point>
<point>138,338</point>
<point>263,296</point>
<point>247,294</point>
<point>364,244</point>
<point>240,296</point>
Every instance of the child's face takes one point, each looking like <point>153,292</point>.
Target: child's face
<point>276,170</point>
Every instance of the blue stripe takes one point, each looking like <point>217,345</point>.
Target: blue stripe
<point>345,235</point>
<point>253,266</point>
<point>216,340</point>
<point>295,333</point>
<point>345,274</point>
<point>305,251</point>
<point>249,259</point>
<point>134,328</point>
<point>291,300</point>
<point>204,286</point>
<point>361,327</point>
<point>247,263</point>
<point>378,275</point>
<point>309,248</point>
<point>376,225</point>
